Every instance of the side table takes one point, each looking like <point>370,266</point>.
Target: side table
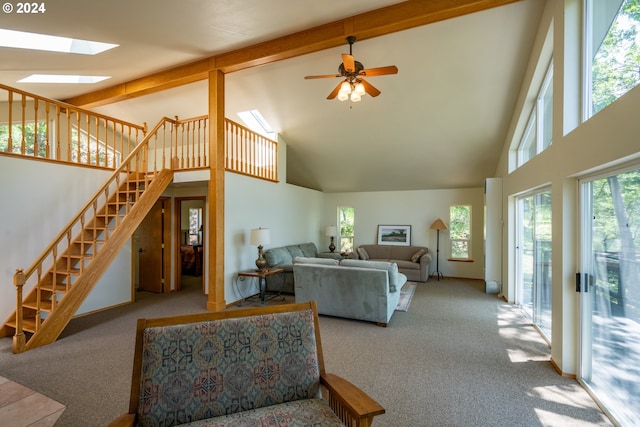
<point>262,278</point>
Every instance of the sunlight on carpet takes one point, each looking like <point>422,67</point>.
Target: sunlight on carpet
<point>406,294</point>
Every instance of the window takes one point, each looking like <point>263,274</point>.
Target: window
<point>32,138</point>
<point>460,231</point>
<point>539,130</point>
<point>533,258</point>
<point>610,291</point>
<point>88,150</point>
<point>613,51</point>
<point>346,221</point>
<point>195,226</point>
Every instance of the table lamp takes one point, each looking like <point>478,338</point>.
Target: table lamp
<point>331,231</point>
<point>260,236</point>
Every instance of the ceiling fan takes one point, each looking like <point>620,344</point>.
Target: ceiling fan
<point>354,85</point>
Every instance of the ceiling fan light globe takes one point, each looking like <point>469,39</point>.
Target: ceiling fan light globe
<point>359,89</point>
<point>355,97</point>
<point>343,96</point>
<point>345,88</point>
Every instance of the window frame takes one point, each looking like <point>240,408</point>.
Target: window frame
<point>455,239</point>
<point>342,237</point>
<point>534,130</point>
<point>589,56</point>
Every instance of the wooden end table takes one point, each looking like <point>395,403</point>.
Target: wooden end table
<point>262,279</point>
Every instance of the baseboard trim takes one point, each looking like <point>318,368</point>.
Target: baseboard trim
<point>559,371</point>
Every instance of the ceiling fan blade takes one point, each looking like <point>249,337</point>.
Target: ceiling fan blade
<point>326,76</point>
<point>379,71</point>
<point>335,91</point>
<point>348,62</point>
<point>368,87</point>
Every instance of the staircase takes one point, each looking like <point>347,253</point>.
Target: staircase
<point>66,272</point>
<point>61,278</point>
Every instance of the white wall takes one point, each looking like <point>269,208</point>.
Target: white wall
<point>292,214</point>
<point>418,208</point>
<point>38,199</point>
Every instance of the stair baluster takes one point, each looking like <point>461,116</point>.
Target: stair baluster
<point>19,339</point>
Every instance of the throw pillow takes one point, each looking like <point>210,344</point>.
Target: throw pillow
<point>362,254</point>
<point>416,257</point>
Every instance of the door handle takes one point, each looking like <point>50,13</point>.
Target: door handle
<point>140,250</point>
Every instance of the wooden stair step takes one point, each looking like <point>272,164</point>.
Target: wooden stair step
<point>28,324</point>
<point>45,305</point>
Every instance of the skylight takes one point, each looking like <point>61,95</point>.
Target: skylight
<point>62,78</point>
<point>254,121</point>
<point>24,40</point>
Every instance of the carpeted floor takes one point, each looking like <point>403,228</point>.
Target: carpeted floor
<point>457,357</point>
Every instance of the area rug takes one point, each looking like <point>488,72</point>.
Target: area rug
<point>406,294</point>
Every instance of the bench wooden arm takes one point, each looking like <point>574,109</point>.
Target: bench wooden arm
<point>352,405</point>
<point>124,420</point>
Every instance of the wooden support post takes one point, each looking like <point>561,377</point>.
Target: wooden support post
<point>215,193</point>
<point>19,338</point>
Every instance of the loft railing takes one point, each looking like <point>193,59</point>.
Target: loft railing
<point>38,127</point>
<point>250,153</point>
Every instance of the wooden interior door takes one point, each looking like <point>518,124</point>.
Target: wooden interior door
<point>151,252</point>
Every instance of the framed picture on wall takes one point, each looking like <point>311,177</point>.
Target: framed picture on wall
<point>397,235</point>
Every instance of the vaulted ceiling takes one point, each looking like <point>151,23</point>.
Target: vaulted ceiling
<point>439,123</point>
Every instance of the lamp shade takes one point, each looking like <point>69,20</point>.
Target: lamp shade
<point>331,231</point>
<point>260,236</point>
<point>438,225</point>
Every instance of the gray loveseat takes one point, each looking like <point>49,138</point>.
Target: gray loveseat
<point>354,289</point>
<point>282,257</point>
<point>411,262</point>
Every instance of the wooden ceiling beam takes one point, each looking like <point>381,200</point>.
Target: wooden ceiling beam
<point>387,20</point>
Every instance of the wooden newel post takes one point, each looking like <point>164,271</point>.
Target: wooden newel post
<point>18,337</point>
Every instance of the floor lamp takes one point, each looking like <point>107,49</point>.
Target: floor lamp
<point>438,225</point>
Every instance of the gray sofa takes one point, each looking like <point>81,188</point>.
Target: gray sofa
<point>354,289</point>
<point>282,257</point>
<point>416,269</point>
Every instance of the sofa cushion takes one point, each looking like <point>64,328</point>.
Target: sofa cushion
<point>391,267</point>
<point>407,265</point>
<point>312,260</point>
<point>295,251</point>
<point>278,256</point>
<point>403,252</point>
<point>416,256</point>
<point>312,412</point>
<point>378,251</point>
<point>308,249</point>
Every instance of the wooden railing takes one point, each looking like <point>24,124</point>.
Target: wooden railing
<point>38,127</point>
<point>250,153</point>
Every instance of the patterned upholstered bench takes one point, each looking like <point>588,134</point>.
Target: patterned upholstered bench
<point>250,367</point>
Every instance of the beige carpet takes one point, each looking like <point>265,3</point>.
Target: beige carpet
<point>457,357</point>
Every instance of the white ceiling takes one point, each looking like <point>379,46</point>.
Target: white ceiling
<point>439,123</point>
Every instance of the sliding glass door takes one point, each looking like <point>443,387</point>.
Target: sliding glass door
<point>533,283</point>
<point>610,292</point>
